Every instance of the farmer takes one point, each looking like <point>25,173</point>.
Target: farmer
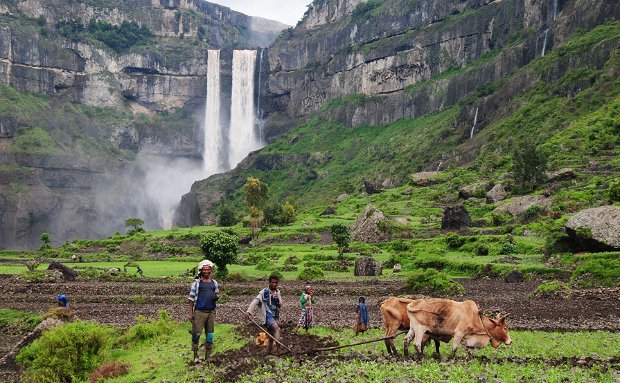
<point>269,304</point>
<point>62,299</point>
<point>361,315</point>
<point>306,300</point>
<point>202,296</point>
<point>140,270</point>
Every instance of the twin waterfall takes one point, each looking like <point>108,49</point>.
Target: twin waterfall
<point>225,145</point>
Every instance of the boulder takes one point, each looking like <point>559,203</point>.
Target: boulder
<point>517,206</point>
<point>342,197</point>
<point>425,178</point>
<point>468,191</point>
<point>366,227</point>
<point>597,228</point>
<point>455,217</point>
<point>367,266</point>
<point>372,187</point>
<point>328,211</point>
<point>496,194</point>
<point>68,274</point>
<point>563,174</point>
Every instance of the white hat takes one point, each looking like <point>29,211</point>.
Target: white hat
<point>205,263</point>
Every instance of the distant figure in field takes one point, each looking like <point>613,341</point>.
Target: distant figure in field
<point>361,315</point>
<point>140,271</point>
<point>306,301</point>
<point>62,299</point>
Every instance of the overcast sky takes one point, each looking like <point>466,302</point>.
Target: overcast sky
<point>286,11</point>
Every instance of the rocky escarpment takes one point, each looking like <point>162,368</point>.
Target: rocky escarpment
<point>72,171</point>
<point>159,77</point>
<point>405,55</point>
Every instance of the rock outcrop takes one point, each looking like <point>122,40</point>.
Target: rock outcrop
<point>366,227</point>
<point>455,217</point>
<point>596,229</point>
<point>367,266</point>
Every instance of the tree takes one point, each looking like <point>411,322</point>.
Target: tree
<point>256,219</point>
<point>46,239</point>
<point>340,235</point>
<point>221,248</point>
<point>227,216</point>
<point>255,192</point>
<point>136,223</point>
<point>288,212</point>
<point>255,197</point>
<point>528,166</point>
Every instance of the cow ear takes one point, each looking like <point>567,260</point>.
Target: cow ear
<point>494,321</point>
<point>503,318</point>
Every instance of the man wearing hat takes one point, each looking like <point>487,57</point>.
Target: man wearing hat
<point>202,296</point>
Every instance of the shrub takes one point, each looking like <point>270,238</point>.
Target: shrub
<point>264,264</point>
<point>597,272</point>
<point>221,248</point>
<point>292,260</point>
<point>310,273</point>
<point>66,353</point>
<point>336,266</point>
<point>454,240</point>
<point>533,211</point>
<point>431,281</point>
<point>400,246</point>
<point>32,264</point>
<point>144,329</point>
<point>528,166</point>
<point>109,370</point>
<point>227,216</point>
<point>552,287</point>
<point>481,249</point>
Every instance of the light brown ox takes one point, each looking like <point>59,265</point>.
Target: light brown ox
<point>394,313</point>
<point>461,320</point>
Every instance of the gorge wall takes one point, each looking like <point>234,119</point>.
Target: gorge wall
<point>147,99</point>
<point>375,62</point>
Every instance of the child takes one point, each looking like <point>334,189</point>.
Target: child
<point>306,300</point>
<point>361,310</point>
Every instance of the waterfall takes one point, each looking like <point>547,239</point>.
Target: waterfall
<point>213,138</point>
<point>555,9</point>
<point>471,133</point>
<point>544,46</point>
<point>259,111</point>
<point>242,136</point>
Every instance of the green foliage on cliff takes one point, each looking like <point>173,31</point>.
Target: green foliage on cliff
<point>117,37</point>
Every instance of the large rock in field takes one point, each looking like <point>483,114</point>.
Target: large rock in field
<point>372,187</point>
<point>425,178</point>
<point>366,227</point>
<point>455,217</point>
<point>367,266</point>
<point>68,273</point>
<point>496,194</point>
<point>597,228</point>
<point>517,206</point>
<point>468,191</point>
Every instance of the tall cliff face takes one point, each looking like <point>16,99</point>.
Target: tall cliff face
<point>70,170</point>
<point>387,49</point>
<point>375,62</point>
<point>160,77</point>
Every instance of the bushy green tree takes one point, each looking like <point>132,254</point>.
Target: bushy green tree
<point>256,193</point>
<point>221,248</point>
<point>227,216</point>
<point>288,212</point>
<point>340,235</point>
<point>46,239</point>
<point>528,166</point>
<point>136,223</point>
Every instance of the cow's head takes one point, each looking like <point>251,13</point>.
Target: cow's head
<point>498,330</point>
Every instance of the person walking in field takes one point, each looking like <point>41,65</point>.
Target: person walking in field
<point>203,295</point>
<point>306,301</point>
<point>361,315</point>
<point>269,302</point>
<point>63,301</point>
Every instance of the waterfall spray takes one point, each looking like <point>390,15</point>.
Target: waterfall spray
<point>242,136</point>
<point>471,133</point>
<point>544,46</point>
<point>213,138</point>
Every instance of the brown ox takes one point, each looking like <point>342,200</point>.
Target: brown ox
<point>394,313</point>
<point>461,320</point>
